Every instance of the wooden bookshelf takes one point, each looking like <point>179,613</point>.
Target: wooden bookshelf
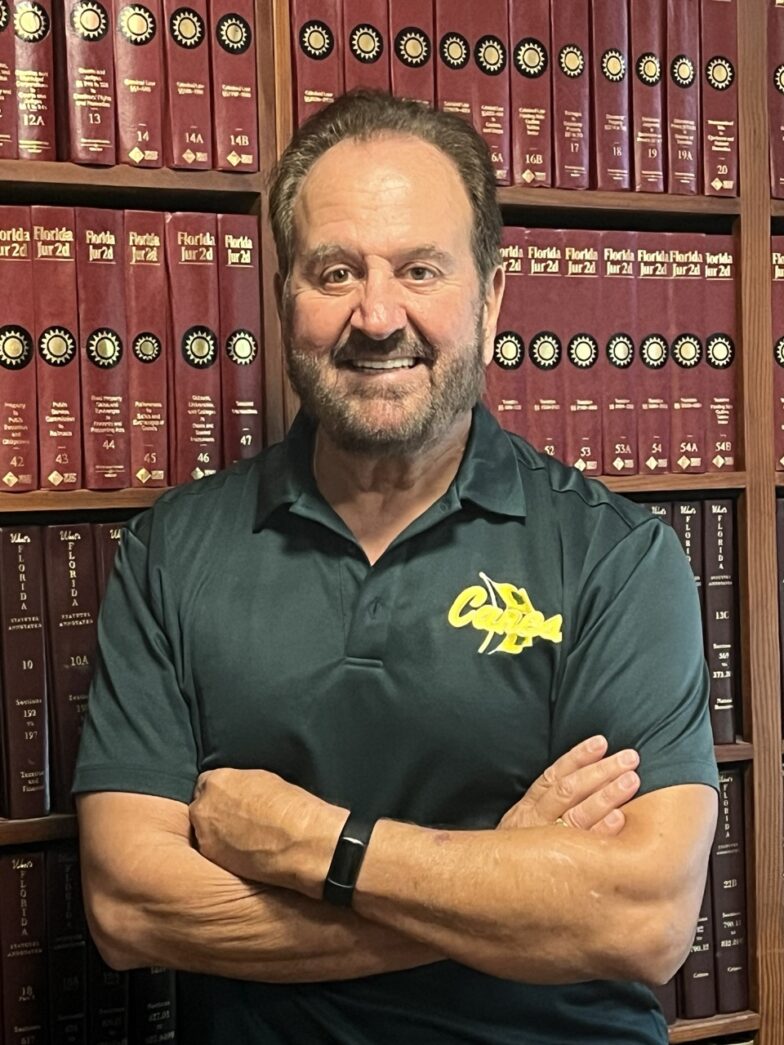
<point>76,500</point>
<point>699,1030</point>
<point>638,202</point>
<point>676,483</point>
<point>43,829</point>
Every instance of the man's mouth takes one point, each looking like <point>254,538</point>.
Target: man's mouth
<point>382,364</point>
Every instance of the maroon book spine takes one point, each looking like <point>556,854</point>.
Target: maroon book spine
<point>720,618</point>
<point>153,1006</point>
<point>147,304</point>
<point>542,286</point>
<point>412,63</point>
<point>106,538</point>
<point>235,105</point>
<point>317,58</point>
<point>683,97</point>
<point>688,403</point>
<point>23,987</point>
<point>506,383</point>
<point>728,877</point>
<point>776,96</point>
<point>611,94</point>
<point>667,997</point>
<point>18,407</point>
<point>698,979</point>
<point>572,129</point>
<point>777,300</point>
<point>619,365</point>
<point>66,944</point>
<point>188,138</point>
<point>648,48</point>
<point>138,70</point>
<point>719,97</point>
<point>191,251</point>
<point>653,418</point>
<point>35,96</point>
<point>530,99</point>
<point>57,348</point>
<point>366,44</point>
<point>687,521</point>
<point>87,134</point>
<point>9,144</point>
<point>72,609</point>
<point>721,338</point>
<point>240,334</point>
<point>23,693</point>
<point>107,1001</point>
<point>661,510</point>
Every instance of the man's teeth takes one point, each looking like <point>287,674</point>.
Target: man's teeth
<point>383,364</point>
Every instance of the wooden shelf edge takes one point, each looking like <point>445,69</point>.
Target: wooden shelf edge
<point>26,172</point>
<point>70,500</point>
<point>43,829</point>
<point>698,1030</point>
<point>592,199</point>
<point>675,481</point>
<point>739,752</point>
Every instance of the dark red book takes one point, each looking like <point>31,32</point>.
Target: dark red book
<point>106,539</point>
<point>648,48</point>
<point>317,57</point>
<point>153,1006</point>
<point>23,988</point>
<point>240,334</point>
<point>188,137</point>
<point>18,422</point>
<point>66,947</point>
<point>192,260</point>
<point>147,305</point>
<point>688,403</point>
<point>411,44</point>
<point>572,128</point>
<point>661,510</point>
<point>667,997</point>
<point>611,94</point>
<point>366,44</point>
<point>84,40</point>
<point>235,103</point>
<point>687,521</point>
<point>653,417</point>
<point>780,565</point>
<point>57,347</point>
<point>35,94</point>
<point>775,39</point>
<point>719,97</point>
<point>721,618</point>
<point>72,610</point>
<point>697,975</point>
<point>728,877</point>
<point>721,340</point>
<point>100,275</point>
<point>23,690</point>
<point>138,64</point>
<point>777,300</point>
<point>618,366</point>
<point>683,97</point>
<point>9,147</point>
<point>506,383</point>
<point>107,1001</point>
<point>530,77</point>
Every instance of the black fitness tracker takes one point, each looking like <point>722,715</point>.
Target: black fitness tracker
<point>347,860</point>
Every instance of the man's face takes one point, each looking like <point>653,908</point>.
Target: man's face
<point>386,331</point>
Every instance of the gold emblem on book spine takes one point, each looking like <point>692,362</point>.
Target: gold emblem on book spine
<point>412,46</point>
<point>719,351</point>
<point>146,347</point>
<point>316,40</point>
<point>583,351</point>
<point>199,347</point>
<point>187,27</point>
<point>687,350</point>
<point>57,346</point>
<point>545,350</point>
<point>137,24</point>
<point>454,50</point>
<point>530,58</point>
<point>682,70</point>
<point>572,60</point>
<point>104,348</point>
<point>31,22</point>
<point>614,65</point>
<point>654,351</point>
<point>233,34</point>
<point>16,347</point>
<point>508,350</point>
<point>720,73</point>
<point>241,347</point>
<point>4,15</point>
<point>89,20</point>
<point>490,55</point>
<point>649,69</point>
<point>366,43</point>
<point>620,351</point>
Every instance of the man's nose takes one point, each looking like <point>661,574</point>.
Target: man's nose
<point>379,312</point>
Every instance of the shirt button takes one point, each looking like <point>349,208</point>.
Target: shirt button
<point>443,507</point>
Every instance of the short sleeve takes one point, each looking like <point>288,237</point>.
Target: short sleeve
<point>138,734</point>
<point>636,670</point>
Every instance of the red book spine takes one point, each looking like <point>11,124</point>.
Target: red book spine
<point>720,618</point>
<point>728,878</point>
<point>188,141</point>
<point>147,304</point>
<point>719,97</point>
<point>543,268</point>
<point>234,94</point>
<point>366,44</point>
<point>653,419</point>
<point>777,298</point>
<point>9,146</point>
<point>531,92</point>
<point>572,128</point>
<point>619,365</point>
<point>34,56</point>
<point>101,288</point>
<point>689,404</point>
<point>18,426</point>
<point>66,945</point>
<point>776,96</point>
<point>87,134</point>
<point>153,1006</point>
<point>648,38</point>
<point>23,674</point>
<point>505,390</point>
<point>23,987</point>
<point>412,65</point>
<point>317,60</point>
<point>240,335</point>
<point>193,272</point>
<point>57,347</point>
<point>138,70</point>
<point>721,338</point>
<point>611,101</point>
<point>683,97</point>
<point>698,980</point>
<point>106,538</point>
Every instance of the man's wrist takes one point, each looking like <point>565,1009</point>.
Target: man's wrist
<point>311,857</point>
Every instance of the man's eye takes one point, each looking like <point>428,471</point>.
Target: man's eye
<point>420,273</point>
<point>338,275</point>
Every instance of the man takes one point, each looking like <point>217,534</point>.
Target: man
<point>404,614</point>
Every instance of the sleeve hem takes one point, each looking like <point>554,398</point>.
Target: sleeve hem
<point>675,774</point>
<point>135,780</point>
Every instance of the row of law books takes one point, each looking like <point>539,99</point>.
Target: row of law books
<point>158,84</point>
<point>54,985</point>
<point>615,351</point>
<point>577,94</point>
<point>130,348</point>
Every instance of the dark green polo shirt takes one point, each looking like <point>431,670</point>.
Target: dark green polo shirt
<point>525,610</point>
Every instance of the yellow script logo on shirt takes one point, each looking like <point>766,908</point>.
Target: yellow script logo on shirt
<point>502,609</point>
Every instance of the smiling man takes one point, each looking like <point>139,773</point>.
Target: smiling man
<point>399,731</point>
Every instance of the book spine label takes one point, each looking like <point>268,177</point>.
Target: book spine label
<point>23,694</point>
<point>506,377</point>
<point>107,1001</point>
<point>661,510</point>
<point>72,609</point>
<point>23,1008</point>
<point>66,945</point>
<point>611,100</point>
<point>648,36</point>
<point>147,304</point>
<point>618,366</point>
<point>9,144</point>
<point>366,44</point>
<point>317,58</point>
<point>543,267</point>
<point>188,143</point>
<point>777,300</point>
<point>234,94</point>
<point>776,96</point>
<point>698,995</point>
<point>719,97</point>
<point>683,97</point>
<point>153,1005</point>
<point>687,521</point>
<point>240,334</point>
<point>720,618</point>
<point>191,249</point>
<point>57,347</point>
<point>530,79</point>
<point>572,128</point>
<point>728,879</point>
<point>89,70</point>
<point>104,359</point>
<point>721,339</point>
<point>34,56</point>
<point>412,48</point>
<point>688,403</point>
<point>138,69</point>
<point>653,419</point>
<point>18,435</point>
<point>106,538</point>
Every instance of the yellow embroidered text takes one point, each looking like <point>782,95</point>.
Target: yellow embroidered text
<point>503,609</point>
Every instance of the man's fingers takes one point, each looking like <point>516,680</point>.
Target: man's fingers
<point>587,753</point>
<point>611,825</point>
<point>567,793</point>
<point>596,812</point>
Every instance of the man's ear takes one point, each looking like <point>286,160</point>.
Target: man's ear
<point>491,308</point>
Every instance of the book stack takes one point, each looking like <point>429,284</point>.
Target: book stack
<point>605,94</point>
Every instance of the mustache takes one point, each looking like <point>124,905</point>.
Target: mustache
<point>397,346</point>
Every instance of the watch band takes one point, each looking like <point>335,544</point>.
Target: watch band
<point>347,860</point>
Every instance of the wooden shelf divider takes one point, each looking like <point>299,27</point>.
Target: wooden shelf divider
<point>77,500</point>
<point>699,1030</point>
<point>630,202</point>
<point>43,829</point>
